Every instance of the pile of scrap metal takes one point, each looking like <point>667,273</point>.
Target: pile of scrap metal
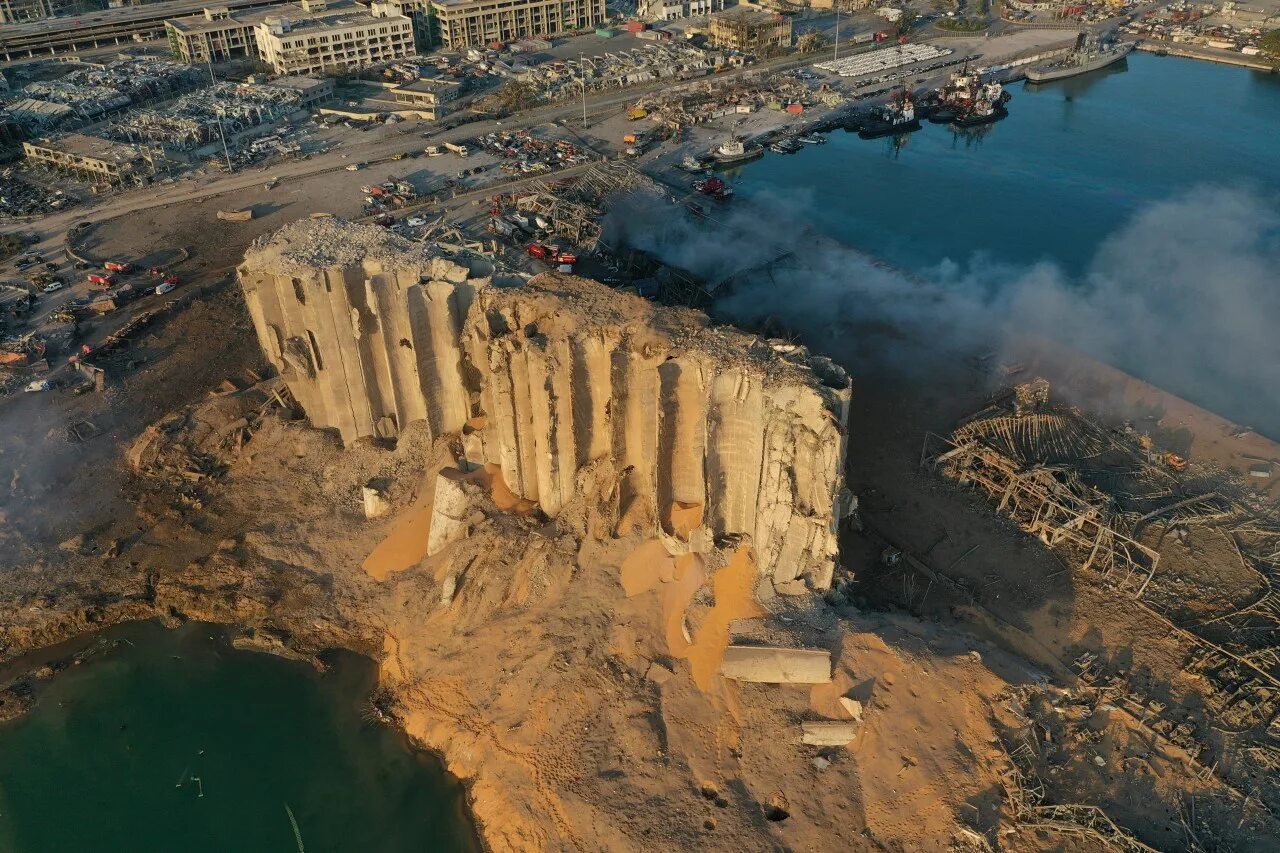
<point>530,154</point>
<point>1044,466</point>
<point>569,209</point>
<point>706,101</point>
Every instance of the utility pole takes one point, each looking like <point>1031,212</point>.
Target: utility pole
<point>221,133</point>
<point>836,53</point>
<point>582,71</point>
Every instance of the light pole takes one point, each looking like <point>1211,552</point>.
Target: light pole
<point>582,71</point>
<point>222,133</point>
<point>836,52</point>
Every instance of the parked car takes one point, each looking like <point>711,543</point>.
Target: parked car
<point>162,289</point>
<point>53,287</point>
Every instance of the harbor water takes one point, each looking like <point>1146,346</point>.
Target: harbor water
<point>1073,162</point>
<point>173,740</point>
<point>1132,213</point>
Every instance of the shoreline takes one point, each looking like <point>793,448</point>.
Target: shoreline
<point>1161,48</point>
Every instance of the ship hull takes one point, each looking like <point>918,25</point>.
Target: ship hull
<point>733,159</point>
<point>1046,73</point>
<point>977,121</point>
<point>877,130</point>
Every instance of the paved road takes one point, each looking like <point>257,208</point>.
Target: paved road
<point>51,228</point>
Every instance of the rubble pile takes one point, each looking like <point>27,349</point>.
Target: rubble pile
<point>186,450</point>
<point>625,68</point>
<point>529,154</point>
<point>23,198</point>
<point>713,99</point>
<point>712,432</point>
<point>202,117</point>
<point>92,93</point>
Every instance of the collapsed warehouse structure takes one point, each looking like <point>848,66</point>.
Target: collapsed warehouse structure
<point>709,432</point>
<point>92,93</point>
<point>201,117</point>
<point>1118,508</point>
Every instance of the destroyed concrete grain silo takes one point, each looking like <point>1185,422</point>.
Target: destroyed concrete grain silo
<point>712,432</point>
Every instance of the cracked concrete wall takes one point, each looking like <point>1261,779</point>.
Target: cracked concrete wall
<point>712,432</point>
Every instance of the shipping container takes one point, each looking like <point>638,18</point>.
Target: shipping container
<point>605,32</point>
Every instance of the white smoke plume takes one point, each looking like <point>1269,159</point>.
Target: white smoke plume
<point>1185,295</point>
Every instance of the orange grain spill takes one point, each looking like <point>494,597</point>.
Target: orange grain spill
<point>734,587</point>
<point>678,580</point>
<point>406,545</point>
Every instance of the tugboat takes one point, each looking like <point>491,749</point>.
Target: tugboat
<point>1089,54</point>
<point>897,116</point>
<point>735,151</point>
<point>988,107</point>
<point>962,99</point>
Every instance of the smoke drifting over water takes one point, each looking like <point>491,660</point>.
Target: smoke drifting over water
<point>1185,295</point>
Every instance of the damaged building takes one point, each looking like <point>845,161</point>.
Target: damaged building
<point>712,432</point>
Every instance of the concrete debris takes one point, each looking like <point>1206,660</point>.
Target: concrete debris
<point>828,733</point>
<point>775,665</point>
<point>375,502</point>
<point>853,706</point>
<point>566,373</point>
<point>449,511</point>
<point>448,588</point>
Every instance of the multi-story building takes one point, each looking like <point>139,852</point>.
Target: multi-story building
<point>215,35</point>
<point>475,23</point>
<point>18,11</point>
<point>122,25</point>
<point>673,10</point>
<point>333,39</point>
<point>97,160</point>
<point>750,30</point>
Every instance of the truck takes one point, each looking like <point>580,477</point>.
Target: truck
<point>101,281</point>
<point>118,266</point>
<point>433,151</point>
<point>456,148</point>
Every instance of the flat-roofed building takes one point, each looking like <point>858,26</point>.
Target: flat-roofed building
<point>18,11</point>
<point>334,38</point>
<point>217,34</point>
<point>475,23</point>
<point>92,29</point>
<point>674,10</point>
<point>750,30</point>
<point>98,160</point>
<point>312,90</point>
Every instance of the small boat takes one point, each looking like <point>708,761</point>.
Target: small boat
<point>693,164</point>
<point>812,139</point>
<point>735,151</point>
<point>785,146</point>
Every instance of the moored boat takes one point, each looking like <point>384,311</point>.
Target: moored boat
<point>735,151</point>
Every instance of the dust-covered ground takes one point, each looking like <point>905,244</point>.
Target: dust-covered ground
<point>517,653</point>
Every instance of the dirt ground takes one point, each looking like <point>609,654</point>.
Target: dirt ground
<point>563,700</point>
<point>1009,700</point>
